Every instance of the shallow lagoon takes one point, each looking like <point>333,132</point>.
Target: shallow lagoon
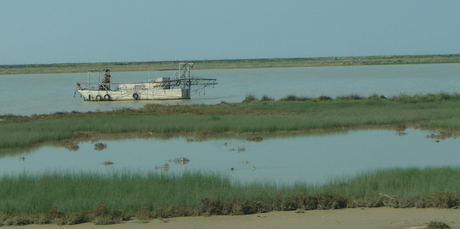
<point>282,158</point>
<point>49,93</point>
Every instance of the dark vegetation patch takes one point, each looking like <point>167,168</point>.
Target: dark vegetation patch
<point>351,96</point>
<point>250,98</point>
<point>437,225</point>
<point>267,98</point>
<point>100,146</point>
<point>324,98</point>
<point>254,139</point>
<point>99,216</point>
<point>291,98</point>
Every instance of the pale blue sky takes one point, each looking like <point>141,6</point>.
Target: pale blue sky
<point>81,31</point>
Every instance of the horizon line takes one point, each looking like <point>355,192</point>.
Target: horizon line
<point>211,60</point>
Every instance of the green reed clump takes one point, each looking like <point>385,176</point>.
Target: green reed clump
<point>250,98</point>
<point>376,97</point>
<point>295,98</point>
<point>324,98</point>
<point>351,96</point>
<point>289,98</point>
<point>266,98</point>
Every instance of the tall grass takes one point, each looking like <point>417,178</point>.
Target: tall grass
<point>130,191</point>
<point>449,123</point>
<point>399,181</point>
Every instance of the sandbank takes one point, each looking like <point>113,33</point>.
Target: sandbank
<point>355,218</point>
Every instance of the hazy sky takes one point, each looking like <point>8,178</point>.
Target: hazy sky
<point>76,31</point>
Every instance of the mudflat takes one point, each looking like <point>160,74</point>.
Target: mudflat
<point>355,218</point>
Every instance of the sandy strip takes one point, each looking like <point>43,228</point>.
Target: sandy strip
<point>364,218</point>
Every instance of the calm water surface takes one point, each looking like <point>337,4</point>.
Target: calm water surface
<point>312,158</point>
<point>48,93</point>
<point>281,159</point>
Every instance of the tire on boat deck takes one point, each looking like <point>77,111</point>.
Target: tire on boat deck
<point>107,97</point>
<point>136,96</point>
<point>98,97</point>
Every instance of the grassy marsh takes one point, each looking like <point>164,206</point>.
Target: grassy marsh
<point>252,115</point>
<point>157,195</point>
<point>69,198</point>
<point>228,64</point>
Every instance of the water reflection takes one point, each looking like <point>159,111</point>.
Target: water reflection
<point>281,158</point>
<point>165,167</point>
<point>181,160</point>
<point>72,145</point>
<point>100,146</point>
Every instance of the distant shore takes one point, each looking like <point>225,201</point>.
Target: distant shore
<point>228,64</point>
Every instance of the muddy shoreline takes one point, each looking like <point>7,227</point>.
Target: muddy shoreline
<point>356,218</point>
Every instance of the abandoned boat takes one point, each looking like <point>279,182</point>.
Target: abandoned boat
<point>178,86</point>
